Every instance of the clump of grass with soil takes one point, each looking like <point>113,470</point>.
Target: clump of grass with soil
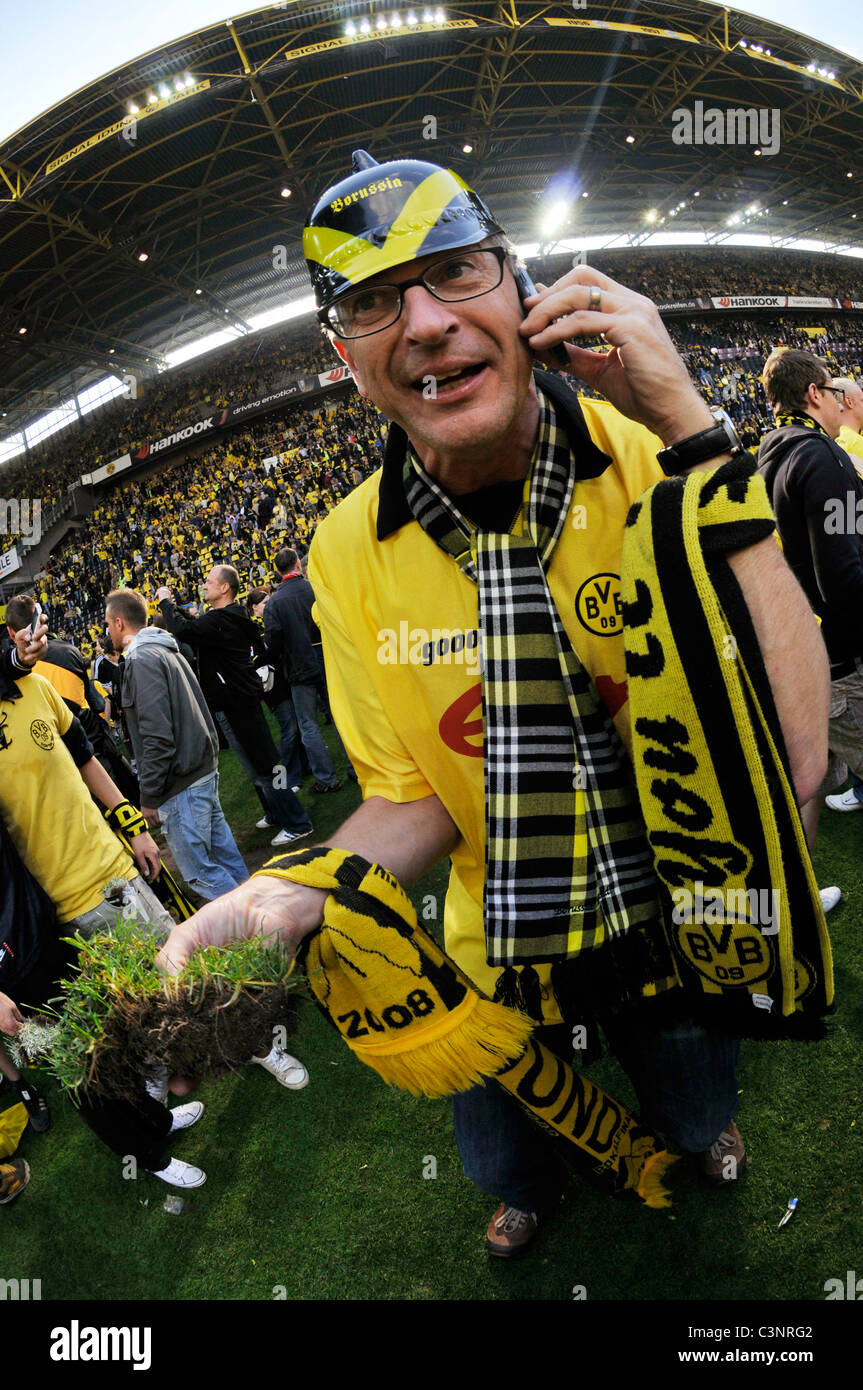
<point>118,1018</point>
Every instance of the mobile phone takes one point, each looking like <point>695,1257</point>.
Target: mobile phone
<point>526,287</point>
<point>34,623</point>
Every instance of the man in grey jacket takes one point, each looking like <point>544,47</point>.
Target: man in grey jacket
<point>176,747</point>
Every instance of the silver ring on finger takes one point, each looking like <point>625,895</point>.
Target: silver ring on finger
<point>595,299</point>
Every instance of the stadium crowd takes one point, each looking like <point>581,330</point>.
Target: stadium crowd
<point>221,504</point>
<point>703,272</point>
<point>219,500</point>
<point>250,367</point>
<point>229,377</point>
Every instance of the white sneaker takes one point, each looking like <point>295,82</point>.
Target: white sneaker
<point>264,824</point>
<point>846,802</point>
<point>180,1174</point>
<point>157,1086</point>
<point>184,1115</point>
<point>829,898</point>
<point>287,837</point>
<point>285,1068</point>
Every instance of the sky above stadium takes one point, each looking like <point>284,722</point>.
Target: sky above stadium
<point>53,47</point>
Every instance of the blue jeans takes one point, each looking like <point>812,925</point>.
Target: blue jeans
<point>290,748</point>
<point>857,786</point>
<point>248,735</point>
<point>201,839</point>
<point>297,718</point>
<point>686,1082</point>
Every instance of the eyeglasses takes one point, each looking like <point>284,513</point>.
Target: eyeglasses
<point>838,392</point>
<point>376,307</point>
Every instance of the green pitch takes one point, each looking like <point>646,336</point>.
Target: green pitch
<point>352,1190</point>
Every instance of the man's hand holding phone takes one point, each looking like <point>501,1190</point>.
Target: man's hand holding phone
<point>643,375</point>
<point>31,642</point>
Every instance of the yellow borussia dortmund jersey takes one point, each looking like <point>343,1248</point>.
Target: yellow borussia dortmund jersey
<point>57,828</point>
<point>399,626</point>
<point>852,443</point>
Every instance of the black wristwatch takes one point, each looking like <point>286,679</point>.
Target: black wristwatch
<point>721,438</point>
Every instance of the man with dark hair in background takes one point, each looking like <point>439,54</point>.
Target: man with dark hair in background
<point>106,670</point>
<point>225,638</point>
<point>294,647</point>
<point>814,488</point>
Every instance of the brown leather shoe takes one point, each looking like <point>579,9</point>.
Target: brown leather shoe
<point>510,1231</point>
<point>726,1158</point>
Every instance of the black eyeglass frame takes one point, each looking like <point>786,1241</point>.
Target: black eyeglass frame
<point>499,252</point>
<point>837,391</point>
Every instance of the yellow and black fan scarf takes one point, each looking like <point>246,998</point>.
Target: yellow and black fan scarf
<point>580,866</point>
<point>740,900</point>
<point>407,1011</point>
<point>800,420</point>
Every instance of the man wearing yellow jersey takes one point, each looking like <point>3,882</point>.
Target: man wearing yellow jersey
<point>444,346</point>
<point>47,774</point>
<point>849,437</point>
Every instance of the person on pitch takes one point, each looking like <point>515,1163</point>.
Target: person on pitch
<point>814,484</point>
<point>49,776</point>
<point>496,524</point>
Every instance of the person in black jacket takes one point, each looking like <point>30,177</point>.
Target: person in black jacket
<point>295,760</point>
<point>294,646</point>
<point>225,638</point>
<point>817,495</point>
<point>106,670</point>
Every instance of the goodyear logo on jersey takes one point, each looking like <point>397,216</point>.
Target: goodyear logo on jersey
<point>598,605</point>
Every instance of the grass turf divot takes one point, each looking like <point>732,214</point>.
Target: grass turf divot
<point>118,1018</point>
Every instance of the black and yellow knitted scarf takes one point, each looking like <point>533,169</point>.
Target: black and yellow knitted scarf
<point>741,902</point>
<point>407,1011</point>
<point>799,419</point>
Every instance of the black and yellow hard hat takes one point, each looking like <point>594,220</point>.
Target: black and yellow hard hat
<point>383,215</point>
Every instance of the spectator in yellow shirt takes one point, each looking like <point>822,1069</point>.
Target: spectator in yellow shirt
<point>849,438</point>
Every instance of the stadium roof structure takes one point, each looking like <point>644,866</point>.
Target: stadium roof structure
<point>145,211</point>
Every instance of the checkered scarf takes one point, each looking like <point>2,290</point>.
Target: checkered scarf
<point>568,867</point>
